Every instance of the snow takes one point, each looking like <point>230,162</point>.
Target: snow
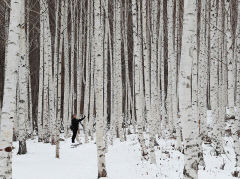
<point>123,160</point>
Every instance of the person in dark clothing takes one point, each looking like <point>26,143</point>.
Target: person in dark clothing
<point>74,126</point>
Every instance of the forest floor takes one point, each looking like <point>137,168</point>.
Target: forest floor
<point>123,160</point>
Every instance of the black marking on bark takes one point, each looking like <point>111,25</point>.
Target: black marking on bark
<point>8,149</point>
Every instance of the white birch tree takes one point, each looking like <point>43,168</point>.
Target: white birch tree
<point>9,98</point>
<point>190,125</point>
<point>98,41</point>
<point>23,81</point>
<point>138,76</point>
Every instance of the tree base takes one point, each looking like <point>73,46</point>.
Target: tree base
<point>22,148</point>
<point>102,173</point>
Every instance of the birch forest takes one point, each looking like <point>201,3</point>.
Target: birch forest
<point>158,82</point>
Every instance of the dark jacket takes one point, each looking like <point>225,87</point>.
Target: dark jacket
<point>75,122</point>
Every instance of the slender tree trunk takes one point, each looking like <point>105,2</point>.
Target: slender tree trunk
<point>217,124</point>
<point>190,123</point>
<point>98,41</point>
<point>235,127</point>
<point>138,76</point>
<point>9,98</point>
<point>66,117</point>
<point>23,81</point>
<point>118,68</point>
<point>59,82</point>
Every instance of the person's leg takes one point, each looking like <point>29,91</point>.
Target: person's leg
<point>74,136</point>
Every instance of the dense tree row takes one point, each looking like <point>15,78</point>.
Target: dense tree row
<point>140,66</point>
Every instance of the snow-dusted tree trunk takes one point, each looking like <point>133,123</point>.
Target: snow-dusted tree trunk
<point>201,90</point>
<point>92,86</point>
<point>146,57</point>
<point>23,81</point>
<point>55,71</point>
<point>231,63</point>
<point>154,91</point>
<point>40,86</point>
<point>174,93</point>
<point>29,86</point>
<point>47,72</point>
<point>79,61</point>
<point>138,75</point>
<point>235,127</point>
<point>171,60</point>
<point>71,86</point>
<point>98,41</point>
<point>202,75</point>
<point>105,73</point>
<point>217,124</point>
<point>118,68</point>
<point>128,101</point>
<point>87,71</point>
<point>190,123</point>
<point>59,82</point>
<point>160,70</point>
<point>9,98</point>
<point>164,69</point>
<point>66,117</point>
<point>91,102</point>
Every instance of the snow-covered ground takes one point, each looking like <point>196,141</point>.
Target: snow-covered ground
<point>123,160</point>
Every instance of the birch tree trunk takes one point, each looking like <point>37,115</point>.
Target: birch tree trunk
<point>55,71</point>
<point>9,98</point>
<point>154,91</point>
<point>190,123</point>
<point>40,86</point>
<point>202,76</point>
<point>214,86</point>
<point>71,91</point>
<point>23,81</point>
<point>79,61</point>
<point>29,86</point>
<point>138,76</point>
<point>146,57</point>
<point>118,68</point>
<point>231,64</point>
<point>66,117</point>
<point>59,82</point>
<point>98,41</point>
<point>87,71</point>
<point>235,127</point>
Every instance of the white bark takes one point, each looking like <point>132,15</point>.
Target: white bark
<point>79,62</point>
<point>235,127</point>
<point>118,69</point>
<point>59,82</point>
<point>190,125</point>
<point>202,76</point>
<point>217,124</point>
<point>47,61</point>
<point>171,60</point>
<point>55,72</point>
<point>29,86</point>
<point>87,72</point>
<point>138,76</point>
<point>40,86</point>
<point>9,98</point>
<point>176,120</point>
<point>71,90</point>
<point>154,91</point>
<point>146,58</point>
<point>98,41</point>
<point>66,117</point>
<point>231,65</point>
<point>23,81</point>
